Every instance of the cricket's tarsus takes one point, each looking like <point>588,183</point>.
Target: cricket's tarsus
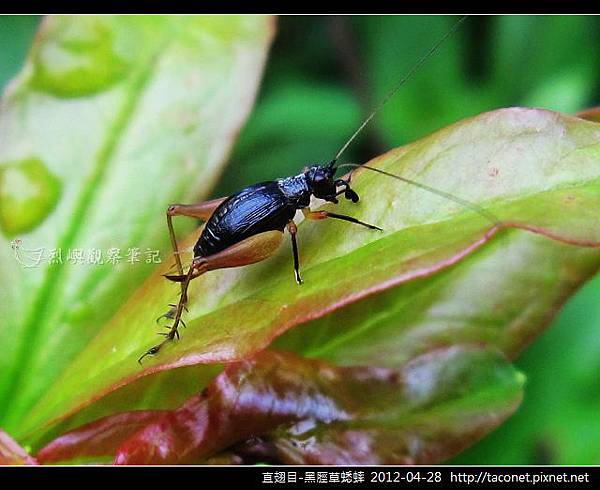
<point>248,226</point>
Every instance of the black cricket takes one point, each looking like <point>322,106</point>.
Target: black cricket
<point>248,226</point>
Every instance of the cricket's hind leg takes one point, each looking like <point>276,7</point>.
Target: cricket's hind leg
<point>249,251</point>
<point>197,268</point>
<point>170,314</point>
<point>202,211</point>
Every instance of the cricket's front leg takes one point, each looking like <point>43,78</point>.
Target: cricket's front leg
<point>293,229</point>
<point>319,215</point>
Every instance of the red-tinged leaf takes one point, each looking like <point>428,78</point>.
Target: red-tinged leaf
<point>284,408</point>
<point>501,296</point>
<point>99,438</point>
<point>534,169</point>
<point>591,114</point>
<point>11,453</point>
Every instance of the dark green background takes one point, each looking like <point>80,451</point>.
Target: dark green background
<point>324,74</point>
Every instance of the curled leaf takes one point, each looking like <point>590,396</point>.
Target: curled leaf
<point>99,438</point>
<point>280,407</point>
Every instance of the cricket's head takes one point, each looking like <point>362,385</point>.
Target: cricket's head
<point>321,181</point>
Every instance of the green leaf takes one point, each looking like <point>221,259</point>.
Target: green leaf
<point>111,120</point>
<point>492,297</point>
<point>534,169</point>
<point>557,422</point>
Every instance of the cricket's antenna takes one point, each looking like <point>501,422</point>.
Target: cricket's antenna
<point>463,202</point>
<point>404,79</point>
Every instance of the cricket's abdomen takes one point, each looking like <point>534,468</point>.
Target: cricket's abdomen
<point>255,209</point>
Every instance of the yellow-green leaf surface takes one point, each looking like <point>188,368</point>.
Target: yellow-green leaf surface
<point>111,120</point>
<point>440,267</point>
